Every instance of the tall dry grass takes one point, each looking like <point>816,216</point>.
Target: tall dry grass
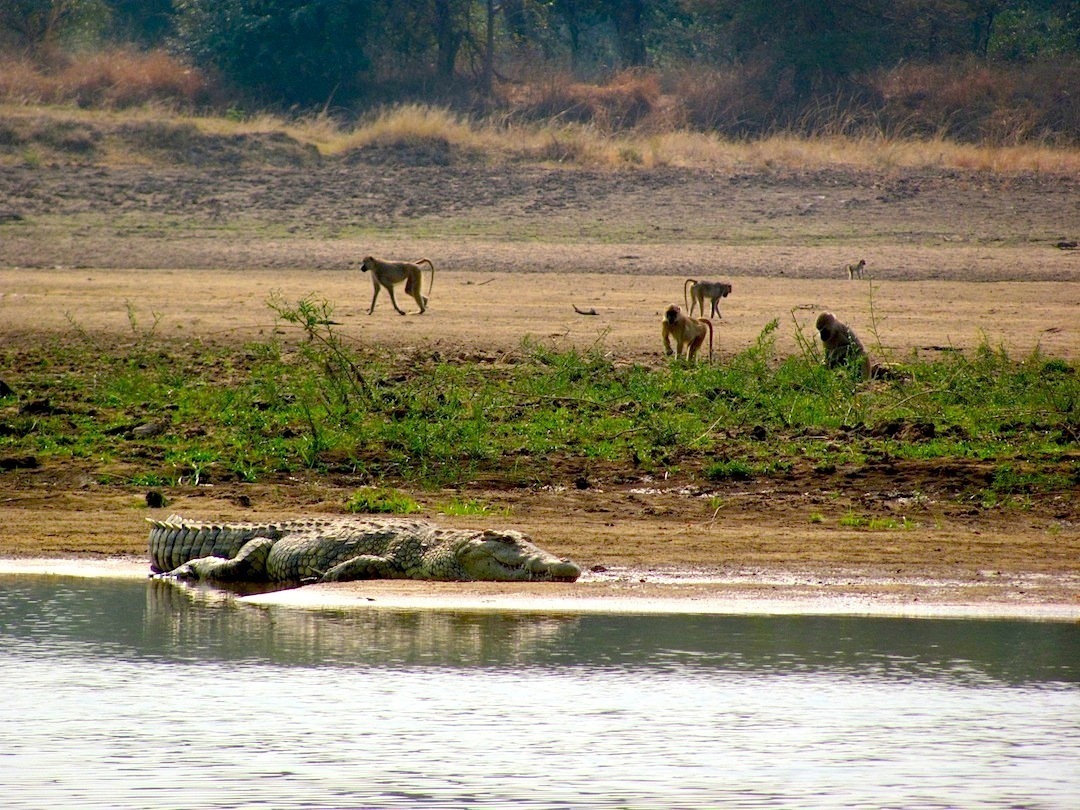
<point>969,101</point>
<point>972,101</point>
<point>113,78</point>
<point>985,103</point>
<point>495,140</point>
<point>625,101</point>
<point>587,145</point>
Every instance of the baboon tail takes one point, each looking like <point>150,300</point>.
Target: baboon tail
<point>708,323</point>
<point>685,294</point>
<point>432,266</point>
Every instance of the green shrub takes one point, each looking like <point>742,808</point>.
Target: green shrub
<point>381,500</point>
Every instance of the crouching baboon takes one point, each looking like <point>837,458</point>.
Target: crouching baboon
<point>387,274</point>
<point>842,347</point>
<point>855,270</point>
<point>687,331</point>
<point>700,290</point>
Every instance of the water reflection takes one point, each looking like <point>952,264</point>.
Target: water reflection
<point>160,619</point>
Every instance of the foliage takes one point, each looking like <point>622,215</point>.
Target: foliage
<point>975,70</point>
<point>43,24</point>
<point>300,53</point>
<point>381,500</point>
<point>278,406</point>
<point>459,507</point>
<point>146,22</point>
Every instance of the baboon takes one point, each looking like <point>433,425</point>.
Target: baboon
<point>855,270</point>
<point>687,331</point>
<point>700,290</point>
<point>387,274</point>
<point>842,345</point>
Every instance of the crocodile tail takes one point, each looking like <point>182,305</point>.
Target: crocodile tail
<point>177,540</point>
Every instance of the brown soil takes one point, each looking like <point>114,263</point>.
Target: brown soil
<point>956,259</point>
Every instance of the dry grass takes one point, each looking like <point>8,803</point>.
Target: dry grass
<point>627,100</point>
<point>587,145</point>
<point>114,78</point>
<point>974,102</point>
<point>412,123</point>
<point>978,102</point>
<point>570,144</point>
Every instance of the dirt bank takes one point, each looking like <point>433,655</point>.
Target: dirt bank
<point>956,260</point>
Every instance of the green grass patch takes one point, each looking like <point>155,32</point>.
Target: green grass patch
<point>729,471</point>
<point>381,500</point>
<point>458,507</point>
<point>874,524</point>
<point>306,398</point>
<point>1010,479</point>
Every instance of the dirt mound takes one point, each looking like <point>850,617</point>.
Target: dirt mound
<point>161,143</point>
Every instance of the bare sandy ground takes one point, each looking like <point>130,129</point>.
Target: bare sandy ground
<point>496,310</point>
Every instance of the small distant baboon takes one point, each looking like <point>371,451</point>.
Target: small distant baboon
<point>855,270</point>
<point>387,274</point>
<point>689,332</point>
<point>842,345</point>
<point>695,292</point>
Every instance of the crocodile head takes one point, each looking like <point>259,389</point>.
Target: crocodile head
<point>510,556</point>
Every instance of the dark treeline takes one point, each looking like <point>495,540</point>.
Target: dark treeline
<point>353,53</point>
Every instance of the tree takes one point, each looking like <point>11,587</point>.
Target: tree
<point>147,22</point>
<point>451,22</point>
<point>629,17</point>
<point>613,30</point>
<point>281,52</point>
<point>37,24</point>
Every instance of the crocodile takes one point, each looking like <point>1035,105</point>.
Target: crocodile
<point>346,548</point>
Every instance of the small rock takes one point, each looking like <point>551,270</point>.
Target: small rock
<point>147,430</point>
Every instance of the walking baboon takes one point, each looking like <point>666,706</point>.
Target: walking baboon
<point>687,331</point>
<point>842,345</point>
<point>700,290</point>
<point>855,270</point>
<point>387,274</point>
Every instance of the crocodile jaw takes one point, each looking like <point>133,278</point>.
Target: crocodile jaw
<point>510,556</point>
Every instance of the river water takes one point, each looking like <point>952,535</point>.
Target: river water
<point>142,694</point>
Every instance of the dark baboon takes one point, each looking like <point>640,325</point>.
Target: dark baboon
<point>842,345</point>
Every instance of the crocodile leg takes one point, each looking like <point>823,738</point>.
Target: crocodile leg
<point>364,566</point>
<point>249,565</point>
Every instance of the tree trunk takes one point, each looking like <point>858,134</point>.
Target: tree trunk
<point>446,38</point>
<point>629,22</point>
<point>489,50</point>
